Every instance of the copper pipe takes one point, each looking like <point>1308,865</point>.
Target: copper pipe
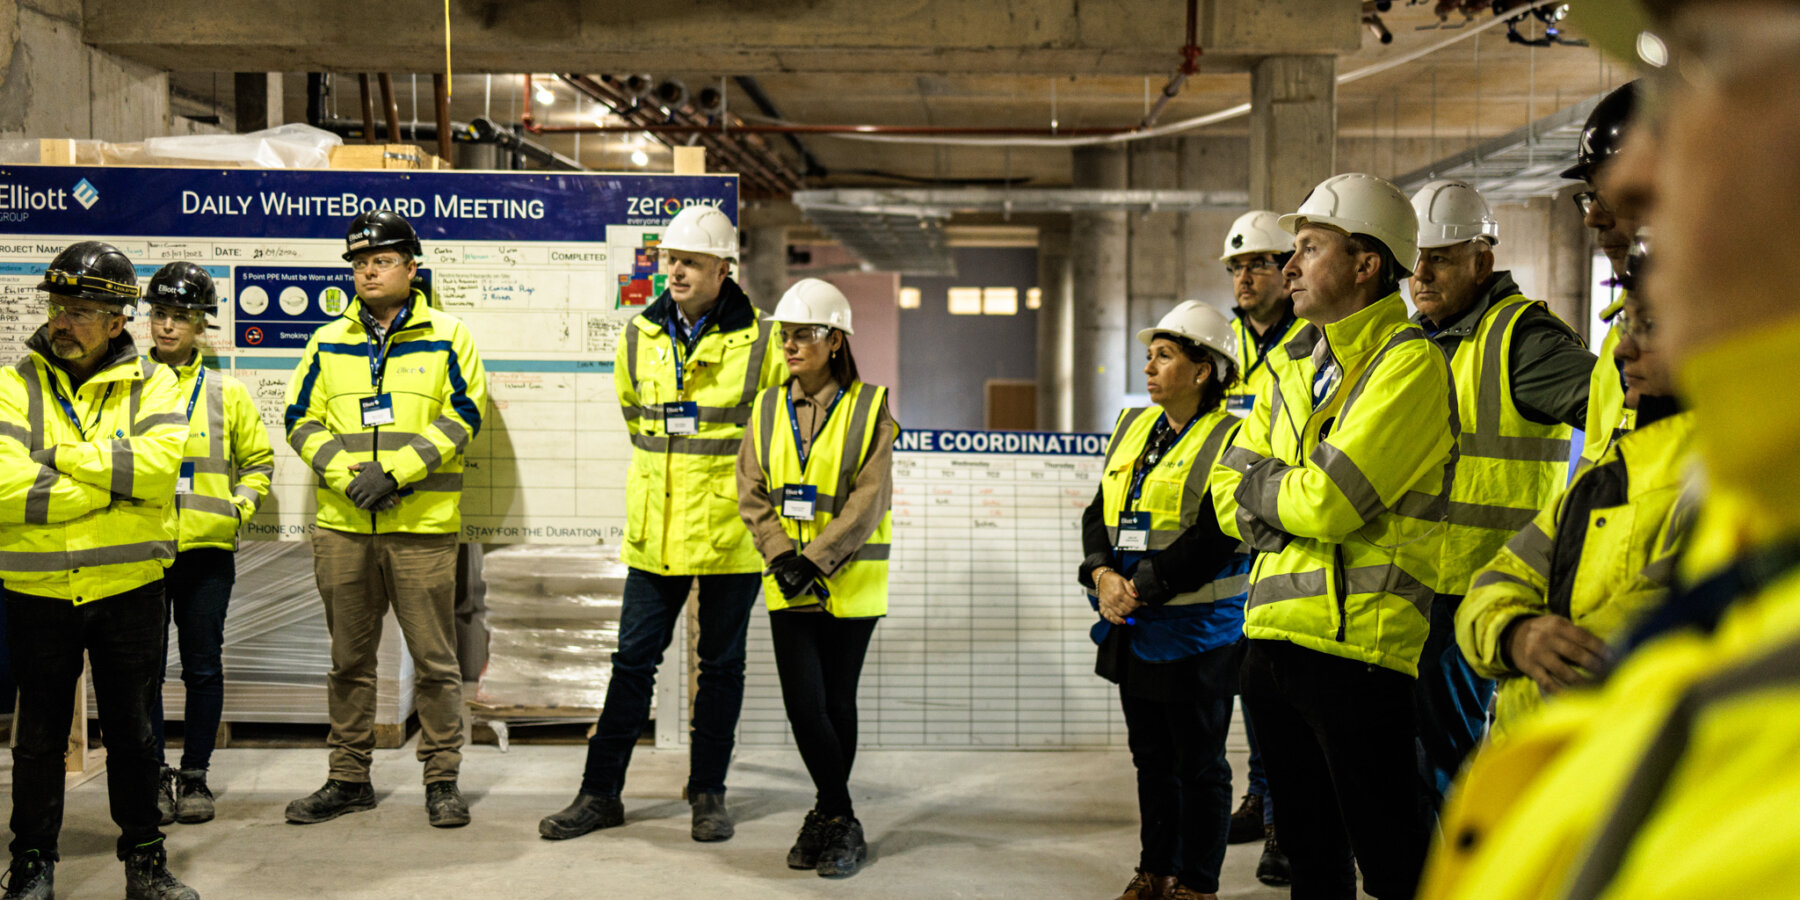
<point>749,165</point>
<point>393,109</point>
<point>368,108</point>
<point>701,128</point>
<point>440,90</point>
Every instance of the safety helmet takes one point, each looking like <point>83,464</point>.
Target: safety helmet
<point>92,270</point>
<point>1198,323</point>
<point>380,229</point>
<point>1362,204</point>
<point>184,285</point>
<point>1257,231</point>
<point>1451,212</point>
<point>702,229</point>
<point>1604,132</point>
<point>813,302</point>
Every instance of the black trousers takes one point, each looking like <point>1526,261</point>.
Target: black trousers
<point>819,658</point>
<point>1183,780</point>
<point>1338,740</point>
<point>124,638</point>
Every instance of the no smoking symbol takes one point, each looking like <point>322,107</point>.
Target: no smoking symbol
<point>253,335</point>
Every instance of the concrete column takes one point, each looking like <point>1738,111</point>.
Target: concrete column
<point>1157,251</point>
<point>763,254</point>
<point>1055,330</point>
<point>257,99</point>
<point>1099,254</point>
<point>52,85</point>
<point>1568,285</point>
<point>1293,128</point>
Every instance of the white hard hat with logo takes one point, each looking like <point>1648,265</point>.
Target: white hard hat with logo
<point>814,302</point>
<point>1198,322</point>
<point>1362,204</point>
<point>1451,212</point>
<point>1257,231</point>
<point>702,229</point>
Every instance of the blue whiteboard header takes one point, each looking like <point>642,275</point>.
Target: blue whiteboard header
<point>1040,443</point>
<point>284,203</point>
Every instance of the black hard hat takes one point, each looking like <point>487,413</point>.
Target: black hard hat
<point>381,228</point>
<point>92,270</point>
<point>1604,132</point>
<point>184,285</point>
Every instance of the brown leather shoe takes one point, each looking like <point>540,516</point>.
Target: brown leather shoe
<point>1183,892</point>
<point>1145,886</point>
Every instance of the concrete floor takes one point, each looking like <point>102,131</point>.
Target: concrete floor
<point>940,824</point>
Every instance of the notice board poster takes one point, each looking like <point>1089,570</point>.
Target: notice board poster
<point>544,268</point>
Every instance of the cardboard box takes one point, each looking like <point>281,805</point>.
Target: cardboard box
<point>380,156</point>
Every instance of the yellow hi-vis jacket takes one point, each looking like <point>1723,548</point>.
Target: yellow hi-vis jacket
<point>1507,466</point>
<point>1345,497</point>
<point>1606,413</point>
<point>1256,369</point>
<point>227,454</point>
<point>86,509</point>
<point>1626,559</point>
<point>681,502</point>
<point>428,368</point>
<point>859,587</point>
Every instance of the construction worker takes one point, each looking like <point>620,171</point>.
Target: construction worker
<point>1521,386</point>
<point>224,476</point>
<point>1614,227</point>
<point>1339,479</point>
<point>1169,588</point>
<point>1255,251</point>
<point>815,488</point>
<point>90,448</point>
<point>691,366</point>
<point>382,408</point>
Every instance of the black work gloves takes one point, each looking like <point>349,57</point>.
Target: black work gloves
<point>371,486</point>
<point>793,573</point>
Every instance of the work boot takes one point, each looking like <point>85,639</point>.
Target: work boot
<point>32,876</point>
<point>147,876</point>
<point>1181,891</point>
<point>445,805</point>
<point>844,849</point>
<point>332,800</point>
<point>1148,886</point>
<point>165,796</point>
<point>1247,822</point>
<point>805,852</point>
<point>587,813</point>
<point>1272,869</point>
<point>193,799</point>
<point>712,822</point>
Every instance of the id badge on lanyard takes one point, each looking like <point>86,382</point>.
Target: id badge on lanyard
<point>798,501</point>
<point>1134,532</point>
<point>378,410</point>
<point>184,484</point>
<point>682,417</point>
<point>1240,405</point>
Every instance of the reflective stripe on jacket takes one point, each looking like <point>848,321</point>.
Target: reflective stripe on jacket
<point>1346,500</point>
<point>228,448</point>
<point>85,510</point>
<point>429,368</point>
<point>681,495</point>
<point>859,587</point>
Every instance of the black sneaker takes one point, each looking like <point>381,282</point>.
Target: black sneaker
<point>147,876</point>
<point>844,849</point>
<point>1247,822</point>
<point>165,795</point>
<point>332,800</point>
<point>805,852</point>
<point>30,877</point>
<point>1273,869</point>
<point>712,821</point>
<point>445,805</point>
<point>587,813</point>
<point>193,799</point>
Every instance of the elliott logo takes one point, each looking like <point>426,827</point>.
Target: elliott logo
<point>86,194</point>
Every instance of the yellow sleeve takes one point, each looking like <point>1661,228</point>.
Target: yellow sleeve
<point>1515,583</point>
<point>250,449</point>
<point>1249,446</point>
<point>459,417</point>
<point>144,465</point>
<point>32,493</point>
<point>305,422</point>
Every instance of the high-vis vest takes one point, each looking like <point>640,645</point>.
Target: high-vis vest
<point>227,462</point>
<point>1256,371</point>
<point>427,367</point>
<point>859,588</point>
<point>681,495</point>
<point>1606,412</point>
<point>1351,489</point>
<point>87,474</point>
<point>1173,494</point>
<point>1627,561</point>
<point>1509,466</point>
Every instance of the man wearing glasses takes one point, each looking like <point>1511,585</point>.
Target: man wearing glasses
<point>1255,250</point>
<point>691,366</point>
<point>91,436</point>
<point>382,407</point>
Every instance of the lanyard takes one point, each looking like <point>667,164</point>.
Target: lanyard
<point>1143,471</point>
<point>69,408</point>
<point>794,422</point>
<point>686,336</point>
<point>1262,350</point>
<point>378,347</point>
<point>199,382</point>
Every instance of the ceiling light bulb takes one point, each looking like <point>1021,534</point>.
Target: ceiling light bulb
<point>640,158</point>
<point>545,96</point>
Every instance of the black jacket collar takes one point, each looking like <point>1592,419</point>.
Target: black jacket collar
<point>733,312</point>
<point>1500,285</point>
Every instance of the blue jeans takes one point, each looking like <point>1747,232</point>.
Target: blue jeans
<point>199,585</point>
<point>646,625</point>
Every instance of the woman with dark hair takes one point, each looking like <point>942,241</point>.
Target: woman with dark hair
<point>815,487</point>
<point>1169,587</point>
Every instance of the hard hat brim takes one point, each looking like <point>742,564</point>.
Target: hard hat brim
<point>843,328</point>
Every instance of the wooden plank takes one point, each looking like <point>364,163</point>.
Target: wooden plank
<point>690,160</point>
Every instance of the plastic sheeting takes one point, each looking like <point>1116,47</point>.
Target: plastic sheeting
<point>291,146</point>
<point>553,623</point>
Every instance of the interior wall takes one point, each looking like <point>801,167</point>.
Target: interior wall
<point>946,360</point>
<point>54,86</point>
<point>874,313</point>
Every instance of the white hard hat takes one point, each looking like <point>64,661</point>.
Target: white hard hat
<point>1198,322</point>
<point>1451,212</point>
<point>702,229</point>
<point>813,302</point>
<point>1362,204</point>
<point>1257,231</point>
